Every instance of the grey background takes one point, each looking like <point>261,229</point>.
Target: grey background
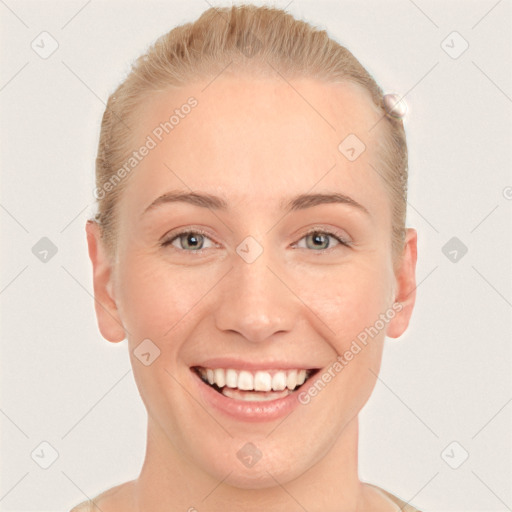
<point>447,379</point>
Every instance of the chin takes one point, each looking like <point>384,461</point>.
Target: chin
<point>259,478</point>
<point>260,464</point>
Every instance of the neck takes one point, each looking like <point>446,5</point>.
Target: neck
<point>169,482</point>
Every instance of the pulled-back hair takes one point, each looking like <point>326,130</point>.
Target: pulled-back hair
<point>245,37</point>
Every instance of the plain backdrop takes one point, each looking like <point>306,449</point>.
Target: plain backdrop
<point>445,386</point>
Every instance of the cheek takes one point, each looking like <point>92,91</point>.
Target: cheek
<point>352,306</point>
<point>350,300</point>
<point>157,298</point>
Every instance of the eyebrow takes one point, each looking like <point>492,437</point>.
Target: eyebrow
<point>299,202</point>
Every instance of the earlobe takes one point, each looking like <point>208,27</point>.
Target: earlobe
<point>109,321</point>
<point>405,294</point>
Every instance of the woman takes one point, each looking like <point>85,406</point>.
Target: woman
<point>250,244</point>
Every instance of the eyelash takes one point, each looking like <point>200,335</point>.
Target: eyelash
<point>176,236</point>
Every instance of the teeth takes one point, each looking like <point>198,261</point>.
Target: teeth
<point>273,380</point>
<point>279,381</point>
<point>220,377</point>
<point>231,379</point>
<point>262,381</point>
<point>254,397</point>
<point>291,379</point>
<point>245,381</point>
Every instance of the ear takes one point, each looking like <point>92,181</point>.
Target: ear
<point>405,294</point>
<point>109,321</point>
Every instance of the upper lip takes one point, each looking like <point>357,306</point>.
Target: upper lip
<point>239,364</point>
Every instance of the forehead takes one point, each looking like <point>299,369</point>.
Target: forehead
<point>256,139</point>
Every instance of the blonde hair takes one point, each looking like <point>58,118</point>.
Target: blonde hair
<point>245,36</point>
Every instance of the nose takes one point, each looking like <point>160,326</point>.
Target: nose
<point>256,301</point>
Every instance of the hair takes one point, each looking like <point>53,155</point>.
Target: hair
<point>247,37</point>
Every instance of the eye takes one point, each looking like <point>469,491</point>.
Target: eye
<point>320,239</point>
<point>191,241</point>
<point>194,240</point>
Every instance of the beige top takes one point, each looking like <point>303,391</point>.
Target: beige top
<point>404,506</point>
<point>88,506</point>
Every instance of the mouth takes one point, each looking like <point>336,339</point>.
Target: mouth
<point>254,386</point>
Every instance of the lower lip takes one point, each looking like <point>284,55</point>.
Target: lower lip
<point>248,411</point>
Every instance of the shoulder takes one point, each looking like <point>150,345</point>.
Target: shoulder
<point>85,506</point>
<point>111,500</point>
<point>404,506</point>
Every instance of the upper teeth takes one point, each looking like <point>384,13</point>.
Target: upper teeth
<point>275,380</point>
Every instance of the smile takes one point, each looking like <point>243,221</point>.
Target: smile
<point>254,386</point>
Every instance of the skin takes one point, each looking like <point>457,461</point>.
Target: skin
<point>255,143</point>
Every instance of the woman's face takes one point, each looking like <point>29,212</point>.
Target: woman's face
<point>258,285</point>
